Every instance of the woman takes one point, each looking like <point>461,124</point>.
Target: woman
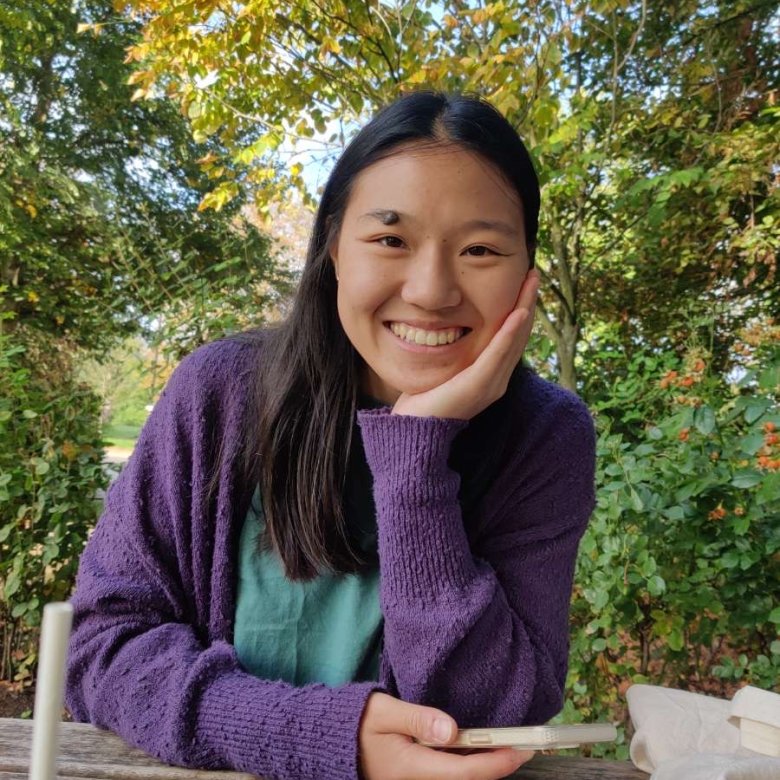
<point>357,530</point>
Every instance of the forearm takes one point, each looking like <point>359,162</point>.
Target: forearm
<point>452,637</point>
<point>136,670</point>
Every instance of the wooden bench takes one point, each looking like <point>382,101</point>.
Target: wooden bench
<point>88,752</point>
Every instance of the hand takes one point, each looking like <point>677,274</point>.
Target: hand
<point>388,752</point>
<point>486,379</point>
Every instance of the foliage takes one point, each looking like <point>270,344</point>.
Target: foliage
<point>678,582</point>
<point>50,477</point>
<point>99,229</point>
<point>655,131</point>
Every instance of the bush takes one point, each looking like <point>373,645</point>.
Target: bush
<point>50,475</point>
<point>677,581</point>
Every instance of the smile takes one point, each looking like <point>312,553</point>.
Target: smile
<point>430,338</point>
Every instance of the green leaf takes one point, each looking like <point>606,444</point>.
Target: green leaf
<point>12,584</point>
<point>675,639</point>
<point>746,479</point>
<point>774,615</point>
<point>675,513</point>
<point>751,444</point>
<point>755,408</point>
<point>19,610</point>
<point>29,414</point>
<point>599,644</point>
<point>656,585</point>
<point>704,420</point>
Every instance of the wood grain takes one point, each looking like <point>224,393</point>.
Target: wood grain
<point>88,752</point>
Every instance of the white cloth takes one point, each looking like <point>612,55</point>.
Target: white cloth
<point>687,736</point>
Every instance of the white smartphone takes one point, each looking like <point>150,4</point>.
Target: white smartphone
<point>532,737</point>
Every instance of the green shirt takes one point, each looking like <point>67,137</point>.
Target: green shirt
<point>328,630</point>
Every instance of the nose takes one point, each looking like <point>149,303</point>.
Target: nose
<point>431,280</point>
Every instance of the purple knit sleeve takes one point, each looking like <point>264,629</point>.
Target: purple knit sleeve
<point>481,633</point>
<point>146,658</point>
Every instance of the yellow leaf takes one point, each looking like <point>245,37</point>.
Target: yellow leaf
<point>32,296</point>
<point>31,210</point>
<point>139,75</point>
<point>138,94</point>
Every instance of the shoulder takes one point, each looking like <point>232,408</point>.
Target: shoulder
<point>546,483</point>
<point>211,365</point>
<point>544,412</point>
<point>221,371</point>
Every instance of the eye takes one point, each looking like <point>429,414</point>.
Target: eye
<point>391,239</point>
<point>480,251</point>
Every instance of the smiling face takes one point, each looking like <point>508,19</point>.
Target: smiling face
<point>430,258</point>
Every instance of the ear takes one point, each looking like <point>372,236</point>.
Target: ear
<point>334,258</point>
<point>334,246</point>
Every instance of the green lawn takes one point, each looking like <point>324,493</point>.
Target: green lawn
<point>121,436</point>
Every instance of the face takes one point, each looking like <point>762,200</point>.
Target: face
<point>430,259</point>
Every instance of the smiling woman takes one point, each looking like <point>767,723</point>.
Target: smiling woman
<point>358,530</point>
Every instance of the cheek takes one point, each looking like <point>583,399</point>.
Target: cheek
<point>360,295</point>
<point>495,296</point>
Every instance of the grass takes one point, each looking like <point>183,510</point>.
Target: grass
<point>123,436</point>
<point>115,441</point>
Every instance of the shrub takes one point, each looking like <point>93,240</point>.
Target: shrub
<point>50,475</point>
<point>678,582</point>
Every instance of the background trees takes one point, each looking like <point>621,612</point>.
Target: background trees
<point>100,238</point>
<point>655,131</point>
<point>99,194</point>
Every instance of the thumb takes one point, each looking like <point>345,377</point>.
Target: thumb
<point>426,724</point>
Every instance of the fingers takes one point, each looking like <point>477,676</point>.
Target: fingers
<point>393,716</point>
<point>389,752</point>
<point>505,349</point>
<point>430,764</point>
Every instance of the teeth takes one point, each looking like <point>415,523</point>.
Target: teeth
<point>430,338</point>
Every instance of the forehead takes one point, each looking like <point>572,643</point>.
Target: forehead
<point>440,180</point>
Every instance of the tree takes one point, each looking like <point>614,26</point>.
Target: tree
<point>623,107</point>
<point>99,194</point>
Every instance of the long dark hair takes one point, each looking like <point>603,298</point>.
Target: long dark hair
<point>300,440</point>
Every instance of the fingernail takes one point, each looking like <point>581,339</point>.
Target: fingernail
<point>442,729</point>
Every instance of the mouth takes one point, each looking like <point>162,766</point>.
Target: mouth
<point>426,338</point>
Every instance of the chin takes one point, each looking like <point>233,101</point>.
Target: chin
<point>414,387</point>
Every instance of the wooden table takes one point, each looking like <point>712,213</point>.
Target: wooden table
<point>87,752</point>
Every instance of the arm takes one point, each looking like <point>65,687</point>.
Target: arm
<point>481,634</point>
<point>149,655</point>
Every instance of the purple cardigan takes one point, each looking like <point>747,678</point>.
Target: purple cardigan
<point>480,629</point>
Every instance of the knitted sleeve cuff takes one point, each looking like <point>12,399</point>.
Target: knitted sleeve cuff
<point>279,730</point>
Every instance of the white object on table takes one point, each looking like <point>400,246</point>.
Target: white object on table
<point>682,735</point>
<point>49,689</point>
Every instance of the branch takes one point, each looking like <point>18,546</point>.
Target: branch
<point>547,324</point>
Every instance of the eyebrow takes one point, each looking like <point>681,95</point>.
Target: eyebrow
<point>391,217</point>
<point>385,216</point>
